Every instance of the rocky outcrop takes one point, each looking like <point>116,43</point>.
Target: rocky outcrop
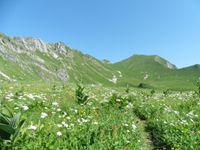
<point>32,55</point>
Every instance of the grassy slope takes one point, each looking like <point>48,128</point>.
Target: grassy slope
<point>135,68</point>
<point>90,70</point>
<point>78,67</point>
<point>138,67</point>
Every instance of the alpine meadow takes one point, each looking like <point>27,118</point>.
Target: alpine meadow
<point>54,97</point>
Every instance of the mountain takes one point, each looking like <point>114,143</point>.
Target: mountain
<point>191,73</point>
<point>144,60</point>
<point>156,72</point>
<point>27,59</point>
<point>31,59</point>
<point>141,68</point>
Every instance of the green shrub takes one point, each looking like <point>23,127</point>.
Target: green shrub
<point>166,92</point>
<point>152,92</point>
<point>81,97</point>
<point>144,86</point>
<point>127,89</point>
<point>10,125</point>
<point>119,101</point>
<point>197,92</point>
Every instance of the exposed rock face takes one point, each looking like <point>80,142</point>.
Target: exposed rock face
<point>105,61</point>
<point>164,62</point>
<point>32,44</point>
<point>62,75</point>
<point>170,66</point>
<point>60,47</point>
<point>33,56</point>
<point>5,76</point>
<point>31,59</point>
<point>146,76</point>
<point>114,79</point>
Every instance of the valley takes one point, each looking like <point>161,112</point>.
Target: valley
<point>56,97</point>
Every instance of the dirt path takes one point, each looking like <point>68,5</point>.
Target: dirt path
<point>147,136</point>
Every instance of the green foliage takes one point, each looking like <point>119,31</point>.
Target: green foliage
<point>19,93</point>
<point>109,121</point>
<point>127,89</point>
<point>89,126</point>
<point>119,101</point>
<point>172,121</point>
<point>144,86</point>
<point>141,85</point>
<point>81,97</point>
<point>166,92</point>
<point>152,92</point>
<point>54,87</point>
<point>197,92</point>
<point>10,125</point>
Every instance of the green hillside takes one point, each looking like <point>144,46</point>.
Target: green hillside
<point>156,72</point>
<point>143,69</point>
<point>186,77</point>
<point>27,59</point>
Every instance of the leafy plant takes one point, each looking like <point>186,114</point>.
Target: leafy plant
<point>127,89</point>
<point>81,97</point>
<point>152,92</point>
<point>54,87</point>
<point>119,101</point>
<point>166,92</point>
<point>197,92</point>
<point>10,125</point>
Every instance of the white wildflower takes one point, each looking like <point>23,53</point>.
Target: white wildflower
<point>24,107</point>
<point>59,133</point>
<point>32,127</point>
<point>68,117</point>
<point>65,124</point>
<point>59,125</point>
<point>118,100</point>
<point>130,105</point>
<point>84,120</point>
<point>71,125</point>
<point>31,96</point>
<point>134,126</point>
<point>58,109</point>
<point>128,142</point>
<point>64,114</point>
<point>95,123</point>
<point>43,115</point>
<point>55,104</point>
<point>126,125</point>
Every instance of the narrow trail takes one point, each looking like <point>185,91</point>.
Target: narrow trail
<point>147,136</point>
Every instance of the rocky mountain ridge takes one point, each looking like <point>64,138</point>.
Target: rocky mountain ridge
<point>28,59</point>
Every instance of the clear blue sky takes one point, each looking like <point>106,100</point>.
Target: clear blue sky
<point>110,29</point>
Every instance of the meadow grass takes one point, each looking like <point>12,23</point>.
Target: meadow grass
<point>110,119</point>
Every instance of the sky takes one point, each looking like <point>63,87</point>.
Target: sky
<point>110,29</point>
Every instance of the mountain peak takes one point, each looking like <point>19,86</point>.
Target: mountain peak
<point>151,58</point>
